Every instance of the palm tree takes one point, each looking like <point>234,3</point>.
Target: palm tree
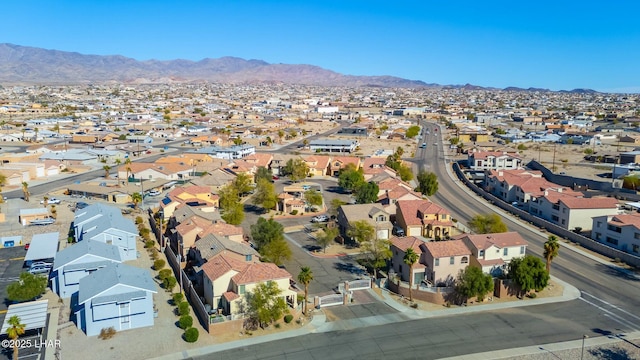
<point>127,164</point>
<point>45,201</point>
<point>106,169</point>
<point>280,135</point>
<point>136,197</point>
<point>551,250</point>
<point>118,162</point>
<point>25,190</point>
<point>14,331</point>
<point>35,138</point>
<point>410,258</point>
<point>304,277</point>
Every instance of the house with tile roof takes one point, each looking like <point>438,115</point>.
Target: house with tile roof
<point>506,183</point>
<point>118,296</point>
<point>212,245</point>
<point>493,160</point>
<point>77,261</point>
<point>399,246</point>
<point>260,159</point>
<point>618,231</point>
<point>390,198</point>
<point>227,281</point>
<point>444,260</point>
<point>373,214</point>
<point>373,166</point>
<point>493,252</point>
<point>570,211</point>
<point>338,163</point>
<point>423,218</point>
<point>318,164</point>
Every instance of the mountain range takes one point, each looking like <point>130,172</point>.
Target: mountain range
<point>30,65</point>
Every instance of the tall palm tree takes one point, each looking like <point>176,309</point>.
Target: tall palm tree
<point>106,169</point>
<point>127,164</point>
<point>551,250</point>
<point>118,162</point>
<point>16,329</point>
<point>304,277</point>
<point>25,190</point>
<point>45,201</point>
<point>410,258</point>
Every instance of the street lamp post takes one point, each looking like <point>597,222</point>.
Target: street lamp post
<point>582,353</point>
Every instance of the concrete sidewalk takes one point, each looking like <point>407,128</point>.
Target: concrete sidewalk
<point>404,313</point>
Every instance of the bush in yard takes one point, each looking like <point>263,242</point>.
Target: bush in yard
<point>107,333</point>
<point>294,212</point>
<point>158,264</point>
<point>169,283</point>
<point>139,220</point>
<point>191,335</point>
<point>288,318</point>
<point>186,321</point>
<point>177,298</point>
<point>183,308</point>
<point>164,273</point>
<point>149,244</point>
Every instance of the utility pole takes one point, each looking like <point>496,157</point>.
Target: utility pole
<point>553,167</point>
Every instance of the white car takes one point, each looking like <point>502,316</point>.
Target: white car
<point>320,219</point>
<point>51,201</point>
<point>154,193</point>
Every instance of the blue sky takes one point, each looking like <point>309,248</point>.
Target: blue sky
<point>548,44</point>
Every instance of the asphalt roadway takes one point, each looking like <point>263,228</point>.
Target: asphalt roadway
<point>608,304</point>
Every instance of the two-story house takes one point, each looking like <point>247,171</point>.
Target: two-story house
<point>493,252</point>
<point>373,214</point>
<point>318,164</point>
<point>494,160</point>
<point>569,211</point>
<point>618,231</point>
<point>444,260</point>
<point>423,218</point>
<point>107,226</point>
<point>399,246</point>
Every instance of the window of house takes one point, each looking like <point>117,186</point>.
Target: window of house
<point>437,262</point>
<point>598,223</point>
<point>635,248</point>
<point>563,221</point>
<point>452,260</point>
<point>611,240</point>
<point>465,260</point>
<point>247,257</point>
<point>521,250</point>
<point>598,236</point>
<point>109,242</point>
<point>554,218</point>
<point>505,252</point>
<point>481,253</point>
<point>636,236</point>
<point>380,218</point>
<point>241,290</point>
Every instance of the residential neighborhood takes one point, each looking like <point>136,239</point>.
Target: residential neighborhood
<point>201,219</point>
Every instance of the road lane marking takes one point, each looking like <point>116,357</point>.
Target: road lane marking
<point>18,258</point>
<point>613,316</point>
<point>613,306</point>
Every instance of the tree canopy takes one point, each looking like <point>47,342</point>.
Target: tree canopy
<point>350,177</point>
<point>551,250</point>
<point>28,287</point>
<point>328,235</point>
<point>265,195</point>
<point>231,209</point>
<point>296,169</point>
<point>487,224</point>
<point>473,282</point>
<point>413,131</point>
<point>304,277</point>
<point>313,197</point>
<point>367,193</point>
<point>264,303</point>
<point>242,183</point>
<point>361,231</point>
<point>529,273</point>
<point>427,183</point>
<point>268,236</point>
<point>263,173</point>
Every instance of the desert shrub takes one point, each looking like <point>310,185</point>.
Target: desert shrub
<point>191,335</point>
<point>185,322</point>
<point>288,318</point>
<point>183,308</point>
<point>154,253</point>
<point>169,283</point>
<point>164,273</point>
<point>532,296</point>
<point>144,231</point>
<point>177,298</point>
<point>139,220</point>
<point>107,333</point>
<point>149,244</point>
<point>277,325</point>
<point>294,212</point>
<point>158,264</point>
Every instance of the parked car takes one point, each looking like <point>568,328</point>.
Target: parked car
<point>39,270</point>
<point>320,219</point>
<point>45,221</point>
<point>398,231</point>
<point>154,192</point>
<point>51,201</point>
<point>306,187</point>
<point>41,263</point>
<point>424,145</point>
<point>275,177</point>
<point>81,205</point>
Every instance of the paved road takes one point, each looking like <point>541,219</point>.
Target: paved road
<point>608,305</point>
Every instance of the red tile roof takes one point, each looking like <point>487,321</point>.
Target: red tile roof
<point>403,243</point>
<point>627,220</point>
<point>440,249</point>
<point>260,272</point>
<point>500,240</point>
